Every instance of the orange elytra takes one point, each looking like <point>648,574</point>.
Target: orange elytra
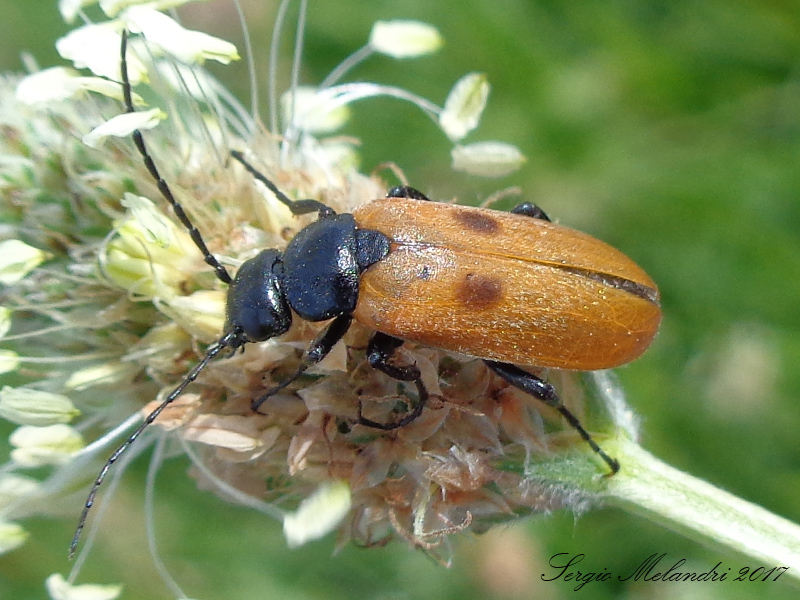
<point>504,287</point>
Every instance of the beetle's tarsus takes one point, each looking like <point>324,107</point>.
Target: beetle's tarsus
<point>545,392</point>
<point>380,350</point>
<point>316,352</point>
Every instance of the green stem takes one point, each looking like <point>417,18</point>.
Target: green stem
<point>689,506</point>
<point>700,511</point>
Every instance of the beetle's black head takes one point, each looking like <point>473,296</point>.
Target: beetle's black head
<point>256,302</point>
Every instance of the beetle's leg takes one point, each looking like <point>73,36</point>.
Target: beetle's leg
<point>298,207</point>
<point>379,352</point>
<point>319,349</point>
<point>533,385</point>
<point>405,191</point>
<point>528,209</point>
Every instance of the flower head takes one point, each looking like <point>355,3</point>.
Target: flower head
<point>113,279</point>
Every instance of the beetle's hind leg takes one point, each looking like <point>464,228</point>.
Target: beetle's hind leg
<point>380,350</point>
<point>529,209</point>
<point>533,385</point>
<point>319,349</point>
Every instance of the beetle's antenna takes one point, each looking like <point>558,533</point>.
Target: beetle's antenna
<point>221,271</point>
<point>230,339</point>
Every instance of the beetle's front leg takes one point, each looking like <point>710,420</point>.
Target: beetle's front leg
<point>298,207</point>
<point>319,349</point>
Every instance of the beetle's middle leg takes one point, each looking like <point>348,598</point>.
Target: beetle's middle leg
<point>537,387</point>
<point>408,192</point>
<point>380,350</point>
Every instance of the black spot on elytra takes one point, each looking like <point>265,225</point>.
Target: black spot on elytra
<point>424,273</point>
<point>480,291</point>
<point>478,221</point>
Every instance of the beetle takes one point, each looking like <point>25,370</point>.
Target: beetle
<point>510,288</point>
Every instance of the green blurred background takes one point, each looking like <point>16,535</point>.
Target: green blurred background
<point>670,129</point>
